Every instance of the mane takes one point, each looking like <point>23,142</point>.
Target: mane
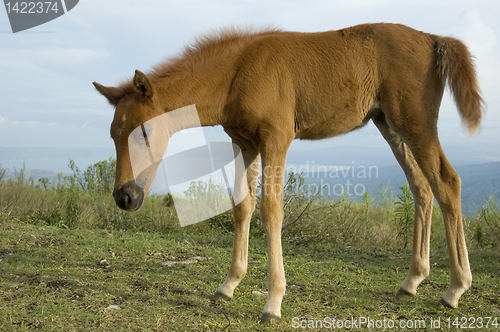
<point>205,48</point>
<point>219,43</point>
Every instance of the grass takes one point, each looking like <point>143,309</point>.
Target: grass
<point>50,280</point>
<point>343,260</point>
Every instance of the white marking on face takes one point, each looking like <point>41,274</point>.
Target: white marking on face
<point>122,125</point>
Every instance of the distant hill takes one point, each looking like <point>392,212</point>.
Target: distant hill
<point>34,173</point>
<point>7,153</point>
<point>478,167</point>
<point>382,156</point>
<point>479,182</point>
<point>51,159</point>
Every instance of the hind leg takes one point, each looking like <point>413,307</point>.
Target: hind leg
<point>423,198</point>
<point>445,184</point>
<point>416,124</point>
<point>242,213</point>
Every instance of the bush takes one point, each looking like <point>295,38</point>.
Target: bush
<point>99,177</point>
<point>404,215</point>
<point>485,228</point>
<point>313,219</point>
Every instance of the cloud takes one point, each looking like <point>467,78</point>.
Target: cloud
<point>69,56</point>
<point>25,57</point>
<point>14,133</point>
<point>5,122</point>
<point>480,38</point>
<point>46,77</point>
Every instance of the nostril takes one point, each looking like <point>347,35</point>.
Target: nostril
<point>123,198</point>
<point>127,199</point>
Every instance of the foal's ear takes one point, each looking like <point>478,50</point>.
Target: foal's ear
<point>111,93</point>
<point>143,84</point>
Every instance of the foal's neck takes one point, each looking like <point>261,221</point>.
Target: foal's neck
<point>204,87</point>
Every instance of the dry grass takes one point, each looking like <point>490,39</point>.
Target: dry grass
<point>308,218</point>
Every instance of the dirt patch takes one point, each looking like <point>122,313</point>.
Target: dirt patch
<point>59,284</point>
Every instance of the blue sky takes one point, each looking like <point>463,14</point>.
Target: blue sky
<point>47,99</point>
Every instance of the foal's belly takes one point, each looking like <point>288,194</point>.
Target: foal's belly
<point>331,123</point>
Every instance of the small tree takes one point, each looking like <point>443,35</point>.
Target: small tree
<point>44,183</point>
<point>404,215</point>
<point>3,172</point>
<point>99,177</point>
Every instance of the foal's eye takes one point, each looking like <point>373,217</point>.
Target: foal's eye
<point>144,132</point>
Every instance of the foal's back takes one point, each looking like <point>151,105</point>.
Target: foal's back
<point>329,83</point>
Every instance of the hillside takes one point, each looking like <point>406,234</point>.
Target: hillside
<point>479,182</point>
<point>478,167</point>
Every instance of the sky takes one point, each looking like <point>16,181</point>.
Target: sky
<point>47,99</point>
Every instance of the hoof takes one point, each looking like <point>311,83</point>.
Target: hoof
<point>402,293</point>
<point>269,318</point>
<point>446,304</point>
<point>219,297</point>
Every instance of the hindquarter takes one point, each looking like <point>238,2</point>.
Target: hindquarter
<point>411,89</point>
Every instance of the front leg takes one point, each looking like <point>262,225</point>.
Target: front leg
<point>242,213</point>
<point>271,209</point>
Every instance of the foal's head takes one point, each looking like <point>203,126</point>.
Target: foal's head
<point>135,104</point>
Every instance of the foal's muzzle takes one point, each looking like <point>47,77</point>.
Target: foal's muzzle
<point>129,197</point>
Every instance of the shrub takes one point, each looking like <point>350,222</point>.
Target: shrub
<point>486,227</point>
<point>404,215</point>
<point>99,177</point>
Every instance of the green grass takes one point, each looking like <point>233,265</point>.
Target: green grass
<point>343,260</point>
<point>51,281</point>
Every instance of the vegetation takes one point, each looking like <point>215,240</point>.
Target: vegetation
<point>404,215</point>
<point>343,259</point>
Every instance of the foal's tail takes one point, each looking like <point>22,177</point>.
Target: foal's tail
<point>455,65</point>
